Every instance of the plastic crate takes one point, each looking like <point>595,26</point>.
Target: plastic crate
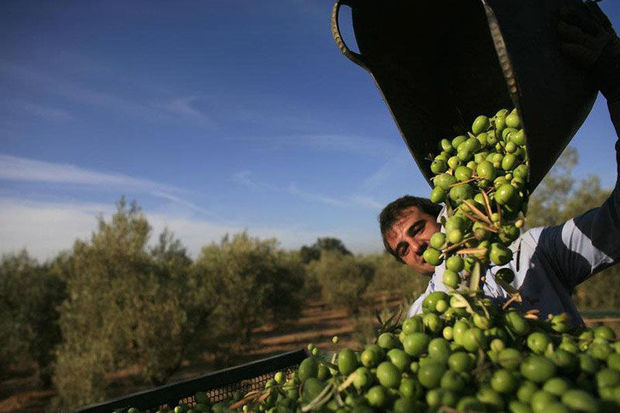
<point>218,386</point>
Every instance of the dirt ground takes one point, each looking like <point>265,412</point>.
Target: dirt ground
<point>22,393</point>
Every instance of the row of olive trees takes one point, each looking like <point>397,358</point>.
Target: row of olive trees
<point>29,296</point>
<point>113,302</point>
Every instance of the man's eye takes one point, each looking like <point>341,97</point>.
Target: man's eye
<point>414,229</point>
<point>403,251</point>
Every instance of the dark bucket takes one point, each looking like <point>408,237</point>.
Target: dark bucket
<point>441,63</point>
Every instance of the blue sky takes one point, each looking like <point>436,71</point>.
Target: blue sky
<point>215,116</point>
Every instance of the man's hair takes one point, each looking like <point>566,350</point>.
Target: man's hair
<point>394,211</point>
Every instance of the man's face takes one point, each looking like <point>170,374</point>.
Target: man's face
<point>410,236</point>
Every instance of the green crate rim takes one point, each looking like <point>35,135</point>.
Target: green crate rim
<point>170,394</point>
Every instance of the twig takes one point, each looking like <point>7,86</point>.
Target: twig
<point>348,381</point>
<point>328,364</point>
<point>499,212</point>
<point>472,218</point>
<point>319,400</point>
<point>462,183</point>
<point>487,203</point>
<point>250,396</point>
<point>490,229</point>
<point>467,251</point>
<point>457,245</point>
<point>478,212</point>
<point>513,298</point>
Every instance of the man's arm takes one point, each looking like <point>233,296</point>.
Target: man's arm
<point>590,242</point>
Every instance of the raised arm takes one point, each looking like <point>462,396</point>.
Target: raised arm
<point>589,242</point>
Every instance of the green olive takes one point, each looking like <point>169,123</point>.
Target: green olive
<point>518,137</point>
<point>486,170</point>
<point>438,240</point>
<point>463,173</point>
<point>500,181</point>
<point>439,166</point>
<point>464,155</point>
<point>520,172</point>
<point>481,124</point>
<point>444,181</point>
<point>509,233</point>
<point>480,156</point>
<point>505,274</point>
<point>472,144</point>
<point>451,279</point>
<point>455,222</point>
<point>500,254</point>
<point>454,162</point>
<point>505,194</point>
<point>455,263</point>
<point>507,132</point>
<point>511,147</point>
<point>500,124</point>
<point>517,183</point>
<point>509,162</point>
<point>502,113</point>
<point>446,146</point>
<point>461,192</point>
<point>438,195</point>
<point>512,120</point>
<point>480,233</point>
<point>455,236</point>
<point>458,140</point>
<point>432,256</point>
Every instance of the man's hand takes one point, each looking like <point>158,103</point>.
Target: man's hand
<point>587,37</point>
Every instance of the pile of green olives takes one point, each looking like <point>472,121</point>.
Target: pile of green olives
<point>481,177</point>
<point>462,354</point>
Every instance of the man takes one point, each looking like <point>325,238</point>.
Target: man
<point>548,262</point>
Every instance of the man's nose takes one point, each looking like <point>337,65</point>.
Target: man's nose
<point>416,246</point>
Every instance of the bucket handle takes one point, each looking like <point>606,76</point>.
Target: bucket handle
<point>351,55</point>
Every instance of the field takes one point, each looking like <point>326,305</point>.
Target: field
<point>23,394</point>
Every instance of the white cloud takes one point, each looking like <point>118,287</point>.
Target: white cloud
<point>46,228</point>
<point>45,112</point>
<point>14,168</point>
<point>75,92</point>
<point>358,145</point>
<point>246,179</point>
<point>185,107</point>
<point>308,196</point>
<point>395,165</point>
<point>355,200</point>
<point>366,201</point>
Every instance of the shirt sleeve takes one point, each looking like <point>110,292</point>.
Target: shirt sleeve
<point>416,307</point>
<point>590,242</point>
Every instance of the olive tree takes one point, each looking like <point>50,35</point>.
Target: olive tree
<point>29,296</point>
<point>395,277</point>
<point>127,306</point>
<point>343,279</point>
<point>257,283</point>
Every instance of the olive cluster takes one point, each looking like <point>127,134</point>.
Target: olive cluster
<point>462,354</point>
<point>481,177</point>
